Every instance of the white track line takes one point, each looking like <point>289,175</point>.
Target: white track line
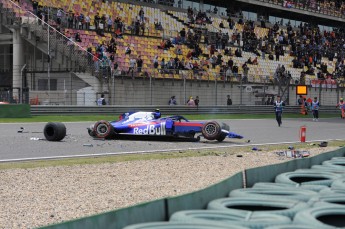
<point>152,151</point>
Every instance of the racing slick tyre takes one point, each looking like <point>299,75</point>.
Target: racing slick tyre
<point>54,131</point>
<point>182,225</point>
<point>326,216</point>
<point>255,220</point>
<point>247,205</point>
<point>221,138</point>
<point>307,176</point>
<point>91,133</point>
<point>103,129</point>
<point>289,193</point>
<point>211,130</point>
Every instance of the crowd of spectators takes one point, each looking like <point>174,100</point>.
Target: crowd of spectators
<point>306,43</point>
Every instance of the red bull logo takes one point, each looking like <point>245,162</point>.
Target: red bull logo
<point>150,130</point>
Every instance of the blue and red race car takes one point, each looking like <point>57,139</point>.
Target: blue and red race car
<point>149,125</point>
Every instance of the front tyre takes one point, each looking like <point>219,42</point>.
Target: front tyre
<point>103,129</point>
<point>221,138</point>
<point>211,130</point>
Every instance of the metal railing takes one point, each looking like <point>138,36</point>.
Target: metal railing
<point>168,110</point>
<point>73,55</point>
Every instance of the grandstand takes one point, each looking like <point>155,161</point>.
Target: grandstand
<point>58,68</point>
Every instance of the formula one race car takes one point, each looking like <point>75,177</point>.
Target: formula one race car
<point>149,125</point>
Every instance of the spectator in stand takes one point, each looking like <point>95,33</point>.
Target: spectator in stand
<point>96,21</point>
<point>35,6</point>
<point>87,22</point>
<point>59,15</point>
<point>139,64</point>
<point>183,35</point>
<point>77,37</point>
<point>155,62</point>
<point>132,63</point>
<point>109,24</point>
<point>141,14</point>
<point>128,50</point>
<point>238,52</point>
<point>158,26</point>
<point>163,66</point>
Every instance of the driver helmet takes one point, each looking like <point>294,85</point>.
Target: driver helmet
<point>157,113</point>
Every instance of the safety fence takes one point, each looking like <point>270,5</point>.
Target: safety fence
<point>169,110</point>
<point>82,89</point>
<point>311,6</point>
<point>162,209</point>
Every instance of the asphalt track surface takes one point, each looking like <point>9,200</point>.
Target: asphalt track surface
<point>22,146</point>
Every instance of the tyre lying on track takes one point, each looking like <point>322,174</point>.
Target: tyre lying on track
<point>254,220</point>
<point>54,131</point>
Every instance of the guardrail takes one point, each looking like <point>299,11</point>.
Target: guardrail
<point>178,110</point>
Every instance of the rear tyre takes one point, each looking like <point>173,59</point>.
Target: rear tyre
<point>103,129</point>
<point>211,130</point>
<point>54,131</point>
<point>221,138</point>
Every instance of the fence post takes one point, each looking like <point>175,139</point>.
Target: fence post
<point>215,91</point>
<point>184,90</point>
<point>150,89</point>
<point>241,91</point>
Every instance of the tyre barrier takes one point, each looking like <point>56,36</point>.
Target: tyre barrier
<point>327,216</point>
<point>330,168</point>
<point>256,220</point>
<point>337,159</point>
<point>247,205</point>
<point>338,184</point>
<point>338,163</point>
<point>307,176</point>
<point>54,131</point>
<point>315,188</point>
<point>289,193</point>
<point>182,225</point>
<point>332,198</point>
<point>290,226</point>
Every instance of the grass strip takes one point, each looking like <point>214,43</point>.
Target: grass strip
<point>161,156</point>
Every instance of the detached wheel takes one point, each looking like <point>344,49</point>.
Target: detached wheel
<point>103,129</point>
<point>54,131</point>
<point>211,130</point>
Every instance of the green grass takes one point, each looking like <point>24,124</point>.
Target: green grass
<point>84,118</point>
<point>158,156</point>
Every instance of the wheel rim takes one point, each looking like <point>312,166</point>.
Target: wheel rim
<point>102,129</point>
<point>211,129</point>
